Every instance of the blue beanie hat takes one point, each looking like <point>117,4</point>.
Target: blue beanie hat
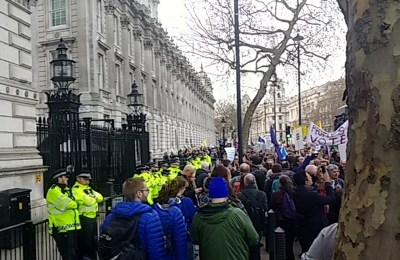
<point>218,188</point>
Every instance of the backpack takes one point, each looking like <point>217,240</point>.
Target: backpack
<point>275,185</point>
<point>120,240</point>
<point>255,210</point>
<point>288,210</point>
<point>236,186</point>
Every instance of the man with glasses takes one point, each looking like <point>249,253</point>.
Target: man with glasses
<point>150,235</point>
<point>88,200</point>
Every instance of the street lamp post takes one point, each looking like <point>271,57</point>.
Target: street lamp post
<point>63,111</point>
<point>298,39</point>
<point>223,124</point>
<point>274,86</point>
<point>238,91</point>
<point>137,123</point>
<point>62,68</point>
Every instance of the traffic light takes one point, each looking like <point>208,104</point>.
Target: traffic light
<point>288,134</point>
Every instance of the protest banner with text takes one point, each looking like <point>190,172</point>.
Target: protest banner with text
<point>319,136</point>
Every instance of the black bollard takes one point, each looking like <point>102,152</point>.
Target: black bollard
<point>29,241</point>
<point>271,234</point>
<point>280,245</point>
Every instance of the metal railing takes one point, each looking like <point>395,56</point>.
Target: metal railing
<point>29,241</point>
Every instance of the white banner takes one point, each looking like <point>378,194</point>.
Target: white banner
<point>318,136</point>
<point>298,138</point>
<point>230,153</point>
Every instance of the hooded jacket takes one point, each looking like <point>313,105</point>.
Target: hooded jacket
<point>223,232</point>
<point>323,246</point>
<point>174,228</point>
<point>150,230</point>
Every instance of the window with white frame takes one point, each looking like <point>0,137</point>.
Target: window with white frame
<point>99,16</point>
<point>116,30</point>
<point>58,12</point>
<point>117,78</point>
<point>100,70</point>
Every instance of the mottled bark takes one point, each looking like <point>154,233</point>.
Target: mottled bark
<point>369,225</point>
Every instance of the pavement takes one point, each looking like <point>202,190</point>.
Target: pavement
<point>296,249</point>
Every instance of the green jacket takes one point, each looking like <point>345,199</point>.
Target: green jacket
<point>223,232</point>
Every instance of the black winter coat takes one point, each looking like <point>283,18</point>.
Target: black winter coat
<point>311,218</point>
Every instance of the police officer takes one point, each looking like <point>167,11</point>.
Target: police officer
<point>63,215</point>
<point>87,200</point>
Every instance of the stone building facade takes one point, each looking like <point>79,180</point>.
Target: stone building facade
<point>20,163</point>
<point>319,103</point>
<point>117,42</point>
<point>272,111</point>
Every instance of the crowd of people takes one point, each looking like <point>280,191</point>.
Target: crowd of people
<point>200,198</point>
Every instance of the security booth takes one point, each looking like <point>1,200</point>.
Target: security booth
<point>15,209</point>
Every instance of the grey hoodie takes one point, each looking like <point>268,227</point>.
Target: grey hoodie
<point>323,246</point>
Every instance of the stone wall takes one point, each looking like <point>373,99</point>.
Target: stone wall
<point>20,164</point>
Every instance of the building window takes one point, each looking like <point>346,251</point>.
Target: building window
<point>116,30</point>
<point>279,95</point>
<point>99,16</point>
<point>280,109</point>
<point>100,70</point>
<point>280,126</point>
<point>280,117</point>
<point>117,78</point>
<point>58,12</point>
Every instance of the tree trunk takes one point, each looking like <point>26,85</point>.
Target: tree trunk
<point>369,225</point>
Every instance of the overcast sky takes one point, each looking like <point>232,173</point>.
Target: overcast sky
<point>173,16</point>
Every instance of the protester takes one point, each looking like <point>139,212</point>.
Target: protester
<point>201,174</point>
<point>311,217</point>
<point>191,190</point>
<point>222,232</point>
<point>173,224</point>
<point>323,246</point>
<point>150,233</point>
<point>258,171</point>
<point>177,189</point>
<point>282,203</point>
<point>338,186</point>
<point>237,183</point>
<point>272,183</point>
<point>255,203</point>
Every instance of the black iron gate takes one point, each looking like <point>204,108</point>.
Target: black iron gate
<point>111,154</point>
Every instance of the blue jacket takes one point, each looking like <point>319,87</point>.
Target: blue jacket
<point>188,210</point>
<point>174,228</point>
<point>150,229</point>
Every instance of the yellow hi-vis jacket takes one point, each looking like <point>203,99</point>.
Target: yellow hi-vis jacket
<point>62,209</point>
<point>87,200</point>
